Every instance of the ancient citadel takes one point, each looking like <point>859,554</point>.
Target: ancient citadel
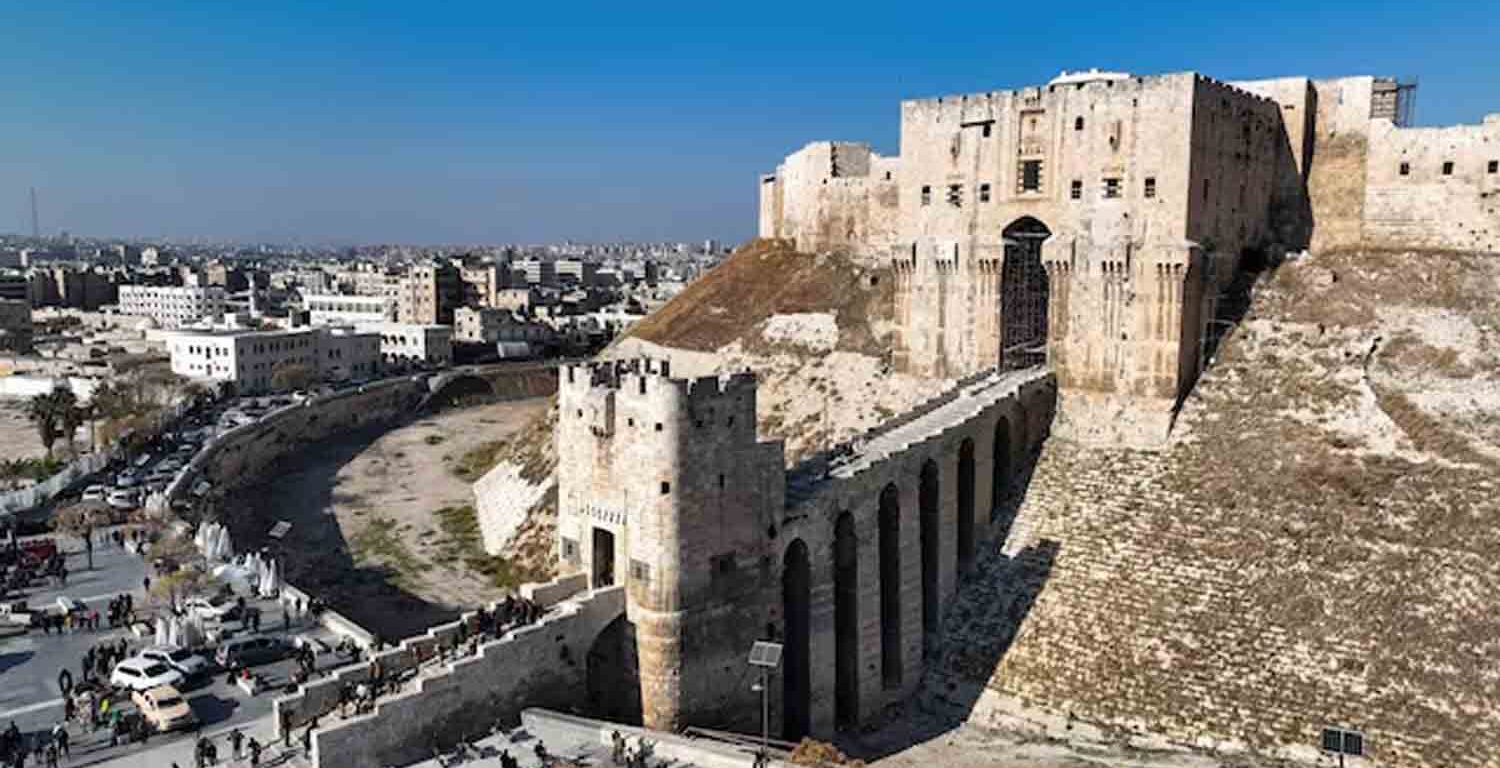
<point>1094,222</point>
<point>1067,255</point>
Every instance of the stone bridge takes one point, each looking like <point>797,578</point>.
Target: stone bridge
<point>504,381</point>
<point>847,559</point>
<point>700,542</point>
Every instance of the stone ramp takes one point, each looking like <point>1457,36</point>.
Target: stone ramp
<point>954,407</point>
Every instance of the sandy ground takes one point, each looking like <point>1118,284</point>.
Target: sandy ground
<point>365,534</point>
<point>18,438</point>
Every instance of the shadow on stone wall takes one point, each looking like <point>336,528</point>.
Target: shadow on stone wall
<point>980,624</point>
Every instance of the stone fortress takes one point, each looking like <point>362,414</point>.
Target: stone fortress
<point>1067,255</point>
<point>1062,251</point>
<point>1095,221</point>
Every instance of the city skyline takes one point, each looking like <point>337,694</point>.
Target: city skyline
<point>280,124</point>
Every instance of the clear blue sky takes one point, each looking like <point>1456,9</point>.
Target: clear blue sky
<point>527,121</point>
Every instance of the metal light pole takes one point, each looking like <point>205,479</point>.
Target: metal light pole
<point>766,656</point>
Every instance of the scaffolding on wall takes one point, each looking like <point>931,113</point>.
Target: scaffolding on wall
<point>1023,296</point>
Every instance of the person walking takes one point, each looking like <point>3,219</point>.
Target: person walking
<point>254,752</point>
<point>307,738</point>
<point>60,738</point>
<point>235,740</point>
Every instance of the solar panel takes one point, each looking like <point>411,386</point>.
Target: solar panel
<point>1343,742</point>
<point>764,654</point>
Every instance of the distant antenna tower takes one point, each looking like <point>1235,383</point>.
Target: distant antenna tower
<point>36,229</point>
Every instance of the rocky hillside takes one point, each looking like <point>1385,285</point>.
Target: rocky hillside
<point>814,327</point>
<point>1318,546</point>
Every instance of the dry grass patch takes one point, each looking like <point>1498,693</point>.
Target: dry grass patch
<point>765,278</point>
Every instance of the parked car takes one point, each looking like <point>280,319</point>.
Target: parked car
<point>95,493</point>
<point>217,608</point>
<point>124,498</point>
<point>127,479</point>
<point>16,613</point>
<point>169,465</point>
<point>164,708</point>
<point>251,651</point>
<point>139,674</point>
<point>181,659</point>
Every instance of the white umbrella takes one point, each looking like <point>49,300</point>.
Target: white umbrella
<point>174,631</point>
<point>270,584</point>
<point>161,631</point>
<point>225,550</point>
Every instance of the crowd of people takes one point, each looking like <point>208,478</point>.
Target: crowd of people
<point>45,749</point>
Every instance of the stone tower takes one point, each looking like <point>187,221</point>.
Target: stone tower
<point>663,487</point>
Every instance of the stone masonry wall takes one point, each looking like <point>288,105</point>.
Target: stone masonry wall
<point>1434,204</point>
<point>237,457</point>
<point>538,665</point>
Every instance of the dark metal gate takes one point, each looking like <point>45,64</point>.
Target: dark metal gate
<point>1023,296</point>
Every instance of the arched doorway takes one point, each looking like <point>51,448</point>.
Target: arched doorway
<point>928,504</point>
<point>846,622</point>
<point>1023,296</point>
<point>614,674</point>
<point>795,603</point>
<point>890,586</point>
<point>1000,469</point>
<point>965,504</point>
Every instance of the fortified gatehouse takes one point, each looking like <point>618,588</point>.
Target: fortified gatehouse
<point>847,559</point>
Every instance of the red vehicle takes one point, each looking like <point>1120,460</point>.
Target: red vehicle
<point>37,552</point>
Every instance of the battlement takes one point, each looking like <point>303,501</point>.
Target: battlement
<point>1032,93</point>
<point>643,395</point>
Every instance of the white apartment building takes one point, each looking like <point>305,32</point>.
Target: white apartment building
<point>410,343</point>
<point>334,309</point>
<point>345,354</point>
<point>172,306</point>
<point>250,359</point>
<point>489,326</point>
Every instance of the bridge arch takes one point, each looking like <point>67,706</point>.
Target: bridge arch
<point>929,505</point>
<point>846,622</point>
<point>890,586</point>
<point>1000,468</point>
<point>613,674</point>
<point>796,599</point>
<point>965,532</point>
<point>1023,295</point>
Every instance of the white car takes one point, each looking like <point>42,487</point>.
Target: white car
<point>181,659</point>
<point>213,609</point>
<point>124,498</point>
<point>95,493</point>
<point>127,479</point>
<point>140,674</point>
<point>169,465</point>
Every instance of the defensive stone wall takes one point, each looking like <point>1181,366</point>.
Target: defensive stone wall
<point>237,457</point>
<point>832,196</point>
<point>454,696</point>
<point>1433,187</point>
